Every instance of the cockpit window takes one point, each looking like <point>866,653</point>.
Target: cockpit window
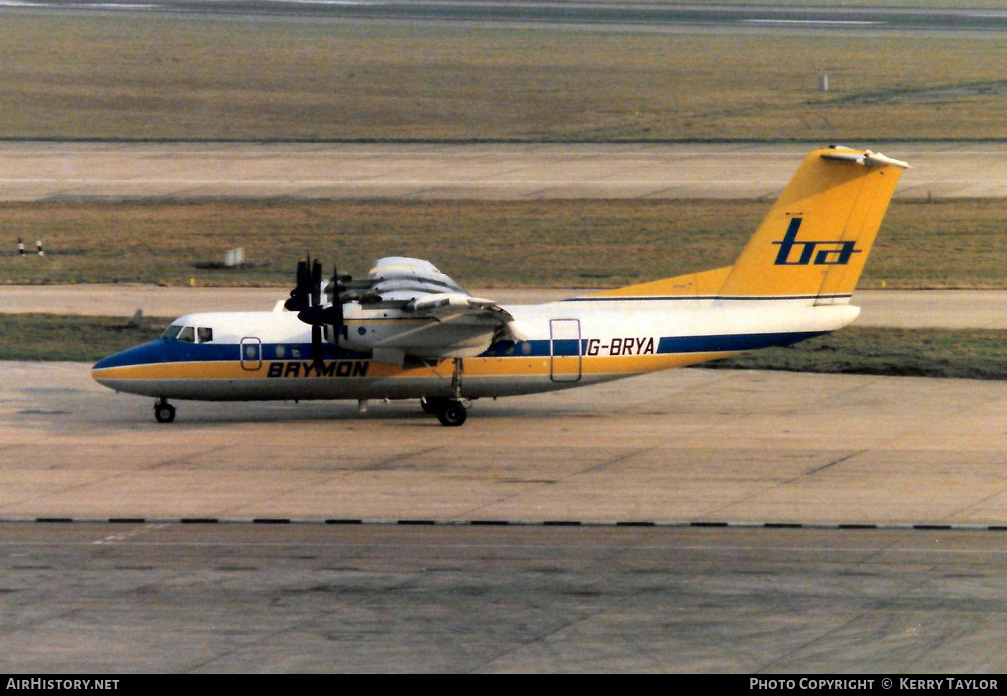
<point>189,334</point>
<point>171,331</point>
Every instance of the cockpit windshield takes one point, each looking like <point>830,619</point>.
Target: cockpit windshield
<point>188,334</point>
<point>172,331</point>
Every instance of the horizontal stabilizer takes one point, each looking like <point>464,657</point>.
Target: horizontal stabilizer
<point>866,158</point>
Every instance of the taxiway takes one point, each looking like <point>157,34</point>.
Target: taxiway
<point>46,171</point>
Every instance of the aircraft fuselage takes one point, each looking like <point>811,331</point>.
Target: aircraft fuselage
<point>268,355</point>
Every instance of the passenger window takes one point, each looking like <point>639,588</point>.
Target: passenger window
<point>187,334</point>
<point>205,334</point>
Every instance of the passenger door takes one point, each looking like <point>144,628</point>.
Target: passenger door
<point>564,350</point>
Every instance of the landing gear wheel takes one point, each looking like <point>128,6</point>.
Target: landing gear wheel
<point>164,412</point>
<point>452,413</point>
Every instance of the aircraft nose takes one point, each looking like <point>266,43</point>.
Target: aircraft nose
<point>127,370</point>
<point>123,358</point>
<point>104,363</point>
<point>139,355</point>
<point>105,367</point>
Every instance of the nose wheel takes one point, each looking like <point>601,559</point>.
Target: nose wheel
<point>164,412</point>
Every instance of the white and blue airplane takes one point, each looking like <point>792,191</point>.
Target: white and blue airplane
<point>407,331</point>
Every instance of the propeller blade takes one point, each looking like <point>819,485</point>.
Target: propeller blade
<point>299,295</point>
<point>316,347</point>
<point>306,300</point>
<point>316,283</point>
<point>333,315</point>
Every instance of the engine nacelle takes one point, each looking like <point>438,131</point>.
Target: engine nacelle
<point>416,336</point>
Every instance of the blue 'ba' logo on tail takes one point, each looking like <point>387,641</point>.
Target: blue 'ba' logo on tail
<point>821,253</point>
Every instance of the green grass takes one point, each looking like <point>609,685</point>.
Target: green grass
<point>71,338</point>
<point>561,243</point>
<point>968,354</point>
<point>110,76</point>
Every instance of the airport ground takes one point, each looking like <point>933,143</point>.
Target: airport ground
<point>862,521</point>
<point>692,521</point>
<point>858,521</point>
<point>123,598</point>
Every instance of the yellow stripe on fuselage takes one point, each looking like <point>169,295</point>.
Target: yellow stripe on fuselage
<point>472,367</point>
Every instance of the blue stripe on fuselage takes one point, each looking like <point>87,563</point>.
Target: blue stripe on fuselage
<point>726,343</point>
<point>163,350</point>
<point>167,350</point>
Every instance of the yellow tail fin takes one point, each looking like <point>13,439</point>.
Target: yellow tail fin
<point>814,241</point>
<point>816,238</point>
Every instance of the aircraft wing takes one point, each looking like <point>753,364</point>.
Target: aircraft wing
<point>445,305</point>
<point>459,324</point>
<point>462,308</point>
<point>401,279</point>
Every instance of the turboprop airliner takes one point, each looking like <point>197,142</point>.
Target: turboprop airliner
<point>408,331</point>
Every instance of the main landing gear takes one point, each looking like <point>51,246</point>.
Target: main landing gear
<point>450,412</point>
<point>164,412</point>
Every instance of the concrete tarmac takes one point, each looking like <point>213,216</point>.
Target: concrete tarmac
<point>390,570</point>
<point>896,485</point>
<point>681,446</point>
<point>32,171</point>
<point>110,600</point>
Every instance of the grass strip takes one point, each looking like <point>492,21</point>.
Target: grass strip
<point>965,354</point>
<point>71,338</point>
<point>554,243</point>
<point>149,76</point>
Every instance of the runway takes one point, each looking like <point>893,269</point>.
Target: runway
<point>122,599</point>
<point>32,171</point>
<point>653,16</point>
